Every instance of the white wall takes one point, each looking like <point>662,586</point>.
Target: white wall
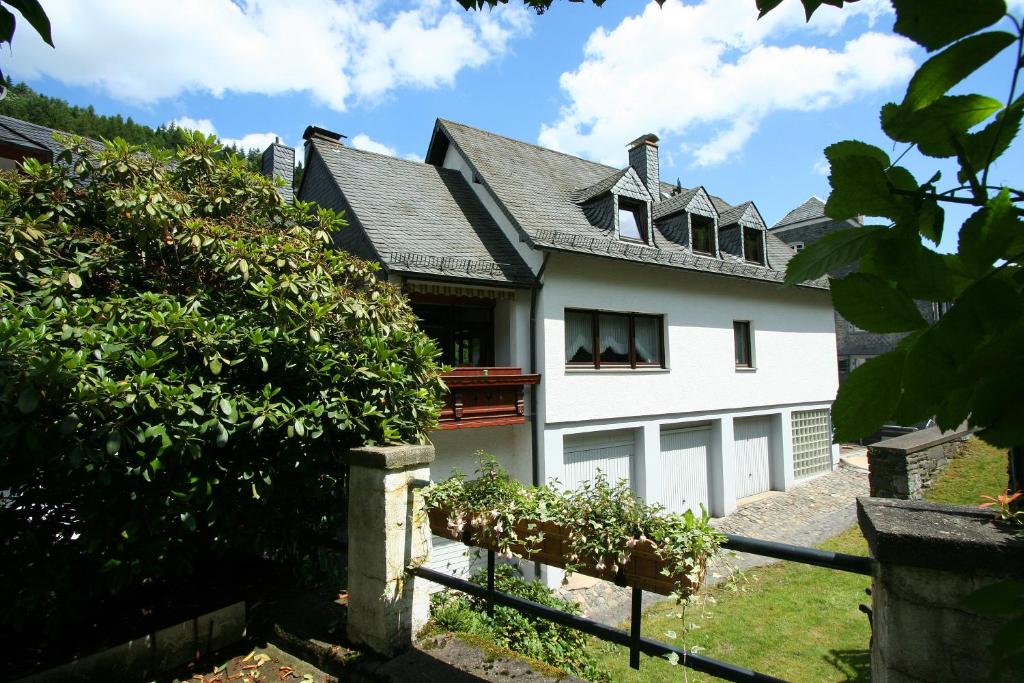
<point>793,338</point>
<point>456,448</point>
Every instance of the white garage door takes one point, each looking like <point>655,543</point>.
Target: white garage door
<point>684,468</point>
<point>812,443</point>
<point>610,452</point>
<point>752,436</point>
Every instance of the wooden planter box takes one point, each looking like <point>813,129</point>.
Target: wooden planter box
<point>643,567</point>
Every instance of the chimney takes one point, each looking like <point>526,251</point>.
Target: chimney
<point>279,162</point>
<point>643,157</point>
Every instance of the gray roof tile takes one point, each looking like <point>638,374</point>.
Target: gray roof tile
<point>811,209</point>
<point>421,218</point>
<point>538,187</point>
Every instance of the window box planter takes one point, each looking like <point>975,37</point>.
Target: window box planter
<point>484,397</point>
<point>643,569</point>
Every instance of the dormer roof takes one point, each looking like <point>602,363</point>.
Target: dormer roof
<point>696,200</point>
<point>811,209</point>
<point>745,214</point>
<point>626,181</point>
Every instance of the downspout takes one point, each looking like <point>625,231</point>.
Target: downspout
<point>535,423</point>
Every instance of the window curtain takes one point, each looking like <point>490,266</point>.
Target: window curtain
<point>614,338</point>
<point>579,337</point>
<point>647,340</point>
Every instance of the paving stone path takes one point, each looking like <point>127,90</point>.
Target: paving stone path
<point>807,515</point>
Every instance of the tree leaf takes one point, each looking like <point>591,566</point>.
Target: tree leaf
<point>952,65</point>
<point>222,435</point>
<point>113,442</point>
<point>159,340</point>
<point>988,233</point>
<point>830,252</point>
<point>932,128</point>
<point>7,24</point>
<point>856,148</point>
<point>763,6</point>
<point>215,366</point>
<point>225,406</point>
<point>868,397</point>
<point>936,23</point>
<point>28,400</point>
<point>993,140</point>
<point>870,303</point>
<point>860,187</point>
<point>74,280</point>
<point>34,14</point>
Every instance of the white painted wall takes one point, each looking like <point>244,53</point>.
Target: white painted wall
<point>793,336</point>
<point>456,448</point>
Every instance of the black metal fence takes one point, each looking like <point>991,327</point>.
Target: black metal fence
<point>632,639</point>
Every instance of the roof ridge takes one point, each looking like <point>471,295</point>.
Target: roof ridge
<point>376,154</point>
<point>528,144</point>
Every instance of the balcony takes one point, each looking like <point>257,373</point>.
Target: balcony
<point>484,397</point>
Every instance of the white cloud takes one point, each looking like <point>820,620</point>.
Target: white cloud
<point>204,126</point>
<point>335,49</point>
<point>257,141</point>
<point>368,144</point>
<point>821,166</point>
<point>714,65</point>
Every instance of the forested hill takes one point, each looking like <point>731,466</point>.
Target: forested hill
<point>23,102</point>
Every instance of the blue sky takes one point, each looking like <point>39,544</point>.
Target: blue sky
<point>743,107</point>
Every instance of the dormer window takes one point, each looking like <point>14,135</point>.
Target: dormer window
<point>702,231</point>
<point>752,248</point>
<point>632,225</point>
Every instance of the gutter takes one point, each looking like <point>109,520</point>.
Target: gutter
<point>534,422</point>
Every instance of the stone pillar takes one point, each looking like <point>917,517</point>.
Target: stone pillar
<point>928,559</point>
<point>387,532</point>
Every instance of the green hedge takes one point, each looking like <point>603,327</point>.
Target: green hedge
<point>183,360</point>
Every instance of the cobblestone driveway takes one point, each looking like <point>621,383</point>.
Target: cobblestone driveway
<point>807,515</point>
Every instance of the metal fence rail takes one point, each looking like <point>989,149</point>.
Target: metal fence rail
<point>632,639</point>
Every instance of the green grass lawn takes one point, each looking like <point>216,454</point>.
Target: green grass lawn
<point>789,620</point>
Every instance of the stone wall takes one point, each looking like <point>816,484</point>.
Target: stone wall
<point>904,466</point>
<point>929,559</point>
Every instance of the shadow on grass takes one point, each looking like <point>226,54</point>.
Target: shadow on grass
<point>854,664</point>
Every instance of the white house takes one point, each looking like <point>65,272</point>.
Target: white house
<point>598,318</point>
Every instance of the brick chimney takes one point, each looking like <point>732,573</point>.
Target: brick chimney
<point>279,162</point>
<point>643,157</point>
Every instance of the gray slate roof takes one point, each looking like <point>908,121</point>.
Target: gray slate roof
<point>812,208</point>
<point>667,207</point>
<point>538,187</point>
<point>421,219</point>
<point>600,187</point>
<point>27,135</point>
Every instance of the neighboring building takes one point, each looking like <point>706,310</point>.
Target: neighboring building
<point>803,226</point>
<point>599,318</point>
<point>20,140</point>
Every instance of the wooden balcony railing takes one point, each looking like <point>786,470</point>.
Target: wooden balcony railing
<point>484,397</point>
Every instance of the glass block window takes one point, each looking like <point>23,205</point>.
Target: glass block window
<point>812,442</point>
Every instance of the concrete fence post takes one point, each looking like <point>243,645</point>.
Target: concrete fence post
<point>387,532</point>
<point>905,466</point>
<point>928,559</point>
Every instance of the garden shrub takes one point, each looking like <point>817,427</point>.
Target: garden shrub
<point>545,641</point>
<point>184,358</point>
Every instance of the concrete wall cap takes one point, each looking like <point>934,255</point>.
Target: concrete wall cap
<point>920,440</point>
<point>390,457</point>
<point>940,537</point>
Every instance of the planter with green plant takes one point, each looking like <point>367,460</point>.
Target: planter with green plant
<point>600,529</point>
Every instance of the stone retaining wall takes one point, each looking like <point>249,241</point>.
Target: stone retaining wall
<point>904,466</point>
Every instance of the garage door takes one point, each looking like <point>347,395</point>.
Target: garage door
<point>752,436</point>
<point>684,468</point>
<point>812,443</point>
<point>610,452</point>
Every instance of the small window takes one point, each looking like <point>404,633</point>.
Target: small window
<point>604,339</point>
<point>798,246</point>
<point>741,337</point>
<point>631,222</point>
<point>702,229</point>
<point>752,245</point>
